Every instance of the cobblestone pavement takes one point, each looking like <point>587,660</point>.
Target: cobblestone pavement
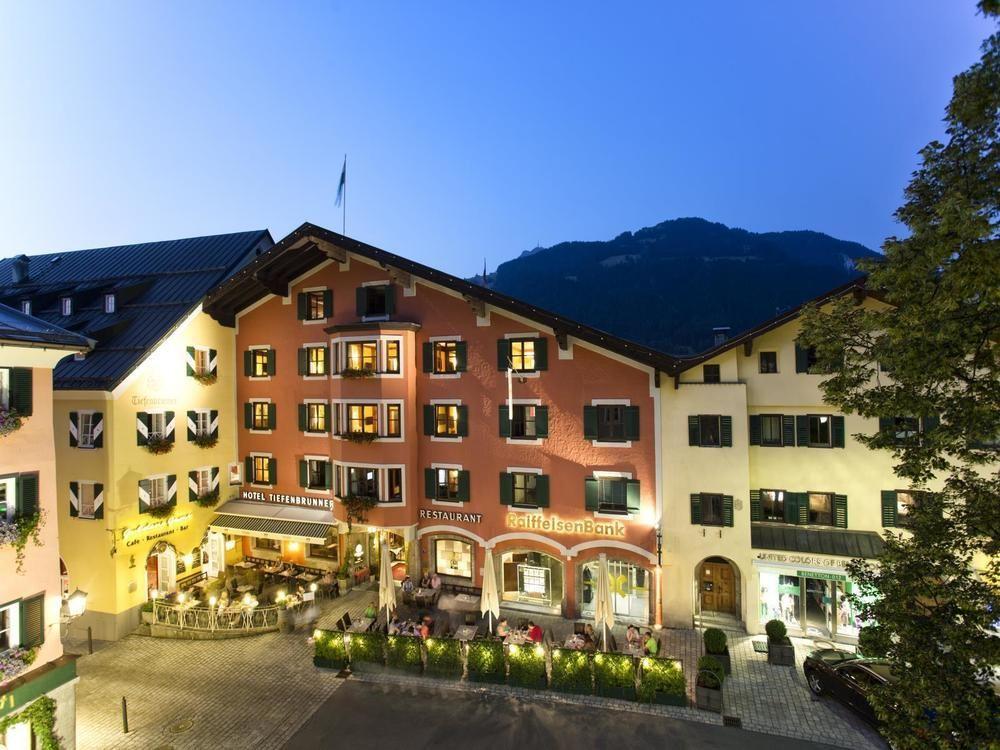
<point>258,691</point>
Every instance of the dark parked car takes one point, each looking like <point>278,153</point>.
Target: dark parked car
<point>847,677</point>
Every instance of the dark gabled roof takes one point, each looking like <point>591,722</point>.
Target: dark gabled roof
<point>19,328</point>
<point>857,286</point>
<point>299,252</point>
<point>842,543</point>
<point>156,284</point>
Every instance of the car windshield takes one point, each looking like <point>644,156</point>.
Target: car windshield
<point>883,671</point>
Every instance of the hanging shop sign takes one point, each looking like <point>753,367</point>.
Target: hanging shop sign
<point>556,525</point>
<point>282,499</point>
<point>450,515</point>
<point>147,532</point>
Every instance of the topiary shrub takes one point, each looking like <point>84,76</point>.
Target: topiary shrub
<point>776,631</point>
<point>485,662</point>
<point>330,651</point>
<point>614,676</point>
<point>367,650</point>
<point>527,666</point>
<point>404,652</point>
<point>572,671</point>
<point>444,657</point>
<point>710,674</point>
<point>662,681</point>
<point>715,641</point>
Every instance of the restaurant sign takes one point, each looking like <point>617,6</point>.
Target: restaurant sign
<point>154,529</point>
<point>450,515</point>
<point>556,525</point>
<point>281,499</point>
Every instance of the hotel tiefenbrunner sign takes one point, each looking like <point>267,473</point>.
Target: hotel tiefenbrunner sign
<point>281,499</point>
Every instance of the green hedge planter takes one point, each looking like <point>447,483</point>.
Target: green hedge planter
<point>527,667</point>
<point>444,658</point>
<point>572,671</point>
<point>485,661</point>
<point>330,649</point>
<point>367,651</point>
<point>614,676</point>
<point>662,681</point>
<point>403,653</point>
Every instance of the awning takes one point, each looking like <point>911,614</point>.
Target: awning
<point>787,538</point>
<point>272,528</point>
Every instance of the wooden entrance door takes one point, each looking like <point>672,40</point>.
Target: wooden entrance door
<point>718,588</point>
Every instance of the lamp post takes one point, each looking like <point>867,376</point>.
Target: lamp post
<point>73,606</point>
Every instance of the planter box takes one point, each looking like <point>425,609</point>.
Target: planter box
<point>670,699</point>
<point>344,584</point>
<point>709,699</point>
<point>337,664</point>
<point>148,618</point>
<point>625,693</point>
<point>724,660</point>
<point>286,623</point>
<point>495,678</point>
<point>781,654</point>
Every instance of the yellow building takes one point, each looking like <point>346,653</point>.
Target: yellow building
<point>34,667</point>
<point>145,424</point>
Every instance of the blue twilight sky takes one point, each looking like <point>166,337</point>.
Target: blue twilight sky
<point>471,130</point>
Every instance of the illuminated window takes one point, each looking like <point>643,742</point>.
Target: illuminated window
<point>315,308</point>
<point>316,417</point>
<point>393,420</point>
<point>447,484</point>
<point>525,488</point>
<point>445,420</point>
<point>362,355</point>
<point>261,416</point>
<point>522,355</point>
<point>522,425</point>
<point>316,360</point>
<point>260,359</point>
<point>445,357</point>
<point>109,303</point>
<point>392,356</point>
<point>261,470</point>
<point>772,505</point>
<point>66,306</point>
<point>821,508</point>
<point>26,307</point>
<point>362,418</point>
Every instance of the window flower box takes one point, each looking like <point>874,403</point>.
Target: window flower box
<point>17,532</point>
<point>206,378</point>
<point>159,445</point>
<point>357,372</point>
<point>203,440</point>
<point>14,661</point>
<point>361,438</point>
<point>10,422</point>
<point>209,499</point>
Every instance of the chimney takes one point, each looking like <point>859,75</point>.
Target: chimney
<point>19,269</point>
<point>719,335</point>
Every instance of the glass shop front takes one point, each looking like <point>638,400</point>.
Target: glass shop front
<point>810,602</point>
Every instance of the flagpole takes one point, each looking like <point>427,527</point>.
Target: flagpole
<point>343,229</point>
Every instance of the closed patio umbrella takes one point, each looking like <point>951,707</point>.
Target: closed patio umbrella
<point>490,601</point>
<point>386,586</point>
<point>604,611</point>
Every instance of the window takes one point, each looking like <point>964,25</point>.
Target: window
<point>9,627</point>
<point>770,429</point>
<point>202,362</point>
<point>710,429</point>
<point>711,510</point>
<point>315,306</point>
<point>453,557</point>
<point>446,420</point>
<point>394,485</point>
<point>772,505</point>
<point>273,545</point>
<point>362,418</point>
<point>66,306</point>
<point>375,301</point>
<point>6,502</point>
<point>525,488</point>
<point>86,500</point>
<point>522,355</point>
<point>362,356</point>
<point>768,363</point>
<point>362,482</point>
<point>327,551</point>
<point>157,425</point>
<point>522,425</point>
<point>612,495</point>
<point>711,374</point>
<point>203,481</point>
<point>393,420</point>
<point>4,387</point>
<point>316,417</point>
<point>611,423</point>
<point>905,430</point>
<point>109,303</point>
<point>259,363</point>
<point>447,484</point>
<point>316,474</point>
<point>157,492</point>
<point>819,431</point>
<point>26,307</point>
<point>316,360</point>
<point>445,357</point>
<point>203,423</point>
<point>261,470</point>
<point>392,356</point>
<point>905,502</point>
<point>85,430</point>
<point>821,508</point>
<point>261,416</point>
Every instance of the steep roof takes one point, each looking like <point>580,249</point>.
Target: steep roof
<point>156,284</point>
<point>24,329</point>
<point>301,250</point>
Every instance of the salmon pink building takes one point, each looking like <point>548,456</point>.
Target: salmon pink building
<point>381,395</point>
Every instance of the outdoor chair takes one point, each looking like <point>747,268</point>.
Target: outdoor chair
<point>579,628</point>
<point>470,618</point>
<point>346,619</point>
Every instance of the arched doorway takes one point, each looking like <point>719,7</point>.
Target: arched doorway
<point>161,568</point>
<point>718,583</point>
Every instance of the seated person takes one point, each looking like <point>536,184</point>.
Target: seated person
<point>425,581</point>
<point>534,632</point>
<point>632,635</point>
<point>407,585</point>
<point>370,611</point>
<point>503,629</point>
<point>652,646</point>
<point>425,627</point>
<point>588,643</point>
<point>588,630</point>
<point>436,581</point>
<point>394,626</point>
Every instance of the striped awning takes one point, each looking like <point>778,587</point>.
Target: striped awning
<point>272,528</point>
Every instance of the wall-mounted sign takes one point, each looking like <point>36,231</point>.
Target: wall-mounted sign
<point>450,515</point>
<point>151,401</point>
<point>823,575</point>
<point>235,473</point>
<point>816,562</point>
<point>555,525</point>
<point>155,529</point>
<point>277,497</point>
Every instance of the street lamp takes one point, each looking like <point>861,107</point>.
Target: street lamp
<point>76,604</point>
<point>659,544</point>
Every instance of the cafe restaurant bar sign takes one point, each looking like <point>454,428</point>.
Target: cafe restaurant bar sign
<point>155,529</point>
<point>555,525</point>
<point>277,497</point>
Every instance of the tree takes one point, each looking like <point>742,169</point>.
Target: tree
<point>923,358</point>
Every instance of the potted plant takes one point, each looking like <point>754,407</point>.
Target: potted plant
<point>206,440</point>
<point>209,499</point>
<point>444,658</point>
<point>780,650</point>
<point>344,576</point>
<point>572,671</point>
<point>361,438</point>
<point>485,662</point>
<point>357,507</point>
<point>358,372</point>
<point>10,421</point>
<point>157,444</point>
<point>148,617</point>
<point>206,378</point>
<point>286,623</point>
<point>715,645</point>
<point>404,653</point>
<point>527,666</point>
<point>708,686</point>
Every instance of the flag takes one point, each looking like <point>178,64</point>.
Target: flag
<point>343,182</point>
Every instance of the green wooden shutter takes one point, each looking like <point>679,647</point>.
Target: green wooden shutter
<point>192,486</point>
<point>504,411</point>
<point>788,430</point>
<point>727,510</point>
<point>463,421</point>
<point>461,356</point>
<point>889,518</point>
<point>327,303</point>
<point>430,483</point>
<point>802,430</point>
<point>803,507</point>
<point>696,509</point>
<point>168,420</point>
<point>361,301</point>
<point>503,354</point>
<point>792,507</point>
<point>755,511</point>
<point>428,358</point>
<point>189,360</point>
<point>303,417</point>
<point>390,299</point>
<point>143,419</point>
<point>541,354</point>
<point>74,499</point>
<point>327,474</point>
<point>98,420</point>
<point>303,306</point>
<point>303,361</point>
<point>27,495</point>
<point>590,423</point>
<point>838,432</point>
<point>33,622</point>
<point>74,426</point>
<point>271,362</point>
<point>726,432</point>
<point>248,469</point>
<point>303,473</point>
<point>542,490</point>
<point>213,361</point>
<point>801,359</point>
<point>145,488</point>
<point>590,494</point>
<point>191,417</point>
<point>631,422</point>
<point>755,429</point>
<point>429,419</point>
<point>632,495</point>
<point>506,488</point>
<point>248,415</point>
<point>98,501</point>
<point>172,490</point>
<point>272,416</point>
<point>929,424</point>
<point>248,363</point>
<point>542,421</point>
<point>840,511</point>
<point>463,486</point>
<point>694,430</point>
<point>213,422</point>
<point>21,399</point>
<point>272,464</point>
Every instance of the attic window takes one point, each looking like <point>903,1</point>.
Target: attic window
<point>26,306</point>
<point>66,305</point>
<point>109,303</point>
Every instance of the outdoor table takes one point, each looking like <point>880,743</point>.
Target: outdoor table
<point>425,595</point>
<point>309,577</point>
<point>466,632</point>
<point>245,564</point>
<point>286,574</point>
<point>361,625</point>
<point>636,650</point>
<point>201,584</point>
<point>516,638</point>
<point>574,642</point>
<point>467,599</point>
